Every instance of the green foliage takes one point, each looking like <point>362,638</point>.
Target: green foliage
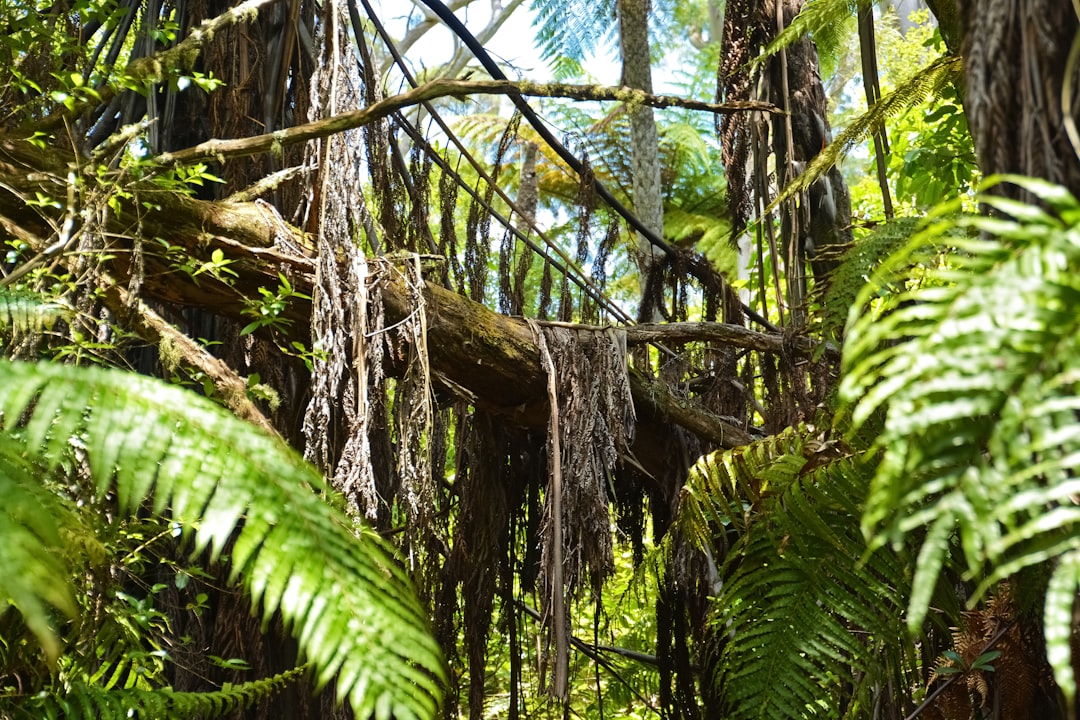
<point>932,155</point>
<point>90,703</point>
<point>23,312</point>
<point>828,22</point>
<point>695,203</point>
<point>974,369</point>
<point>269,310</point>
<point>76,55</point>
<point>33,559</point>
<point>982,663</point>
<point>801,598</point>
<point>337,586</point>
<point>856,267</point>
<point>568,30</point>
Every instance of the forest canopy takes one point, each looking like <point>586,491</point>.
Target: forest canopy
<point>352,373</point>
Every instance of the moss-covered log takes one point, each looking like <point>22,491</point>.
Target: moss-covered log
<point>490,359</point>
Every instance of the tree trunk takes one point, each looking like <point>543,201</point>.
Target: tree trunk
<point>644,142</point>
<point>1015,65</point>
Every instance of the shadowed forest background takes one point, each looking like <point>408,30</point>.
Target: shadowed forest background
<point>352,372</point>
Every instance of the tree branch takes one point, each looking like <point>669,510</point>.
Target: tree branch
<point>229,385</point>
<point>727,334</point>
<point>220,150</point>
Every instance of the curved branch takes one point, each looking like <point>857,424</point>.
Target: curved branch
<point>491,357</point>
<point>223,149</point>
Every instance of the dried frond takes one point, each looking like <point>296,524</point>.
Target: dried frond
<point>343,373</point>
<point>592,426</point>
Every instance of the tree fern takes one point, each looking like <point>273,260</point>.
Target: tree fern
<point>801,599</point>
<point>337,586</point>
<point>568,30</point>
<point>823,20</point>
<point>976,371</point>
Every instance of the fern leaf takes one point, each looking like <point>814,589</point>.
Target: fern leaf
<point>340,590</point>
<point>569,29</point>
<point>31,562</point>
<point>798,584</point>
<point>977,376</point>
<point>821,19</point>
<point>27,312</point>
<point>1058,621</point>
<point>856,266</point>
<point>85,702</point>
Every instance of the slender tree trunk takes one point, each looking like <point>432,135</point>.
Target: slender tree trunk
<point>644,140</point>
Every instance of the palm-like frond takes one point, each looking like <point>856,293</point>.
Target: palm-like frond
<point>570,30</point>
<point>823,20</point>
<point>30,525</point>
<point>27,312</point>
<point>801,600</point>
<point>977,372</point>
<point>348,602</point>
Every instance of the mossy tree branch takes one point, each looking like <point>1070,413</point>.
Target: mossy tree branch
<point>221,150</point>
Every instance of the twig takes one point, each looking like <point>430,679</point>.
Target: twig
<point>729,334</point>
<point>559,617</point>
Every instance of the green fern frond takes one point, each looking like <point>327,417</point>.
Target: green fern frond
<point>801,598</point>
<point>26,312</point>
<point>606,149</point>
<point>85,702</point>
<point>725,486</point>
<point>822,20</point>
<point>921,85</point>
<point>339,588</point>
<point>977,371</point>
<point>32,560</point>
<point>709,234</point>
<point>570,29</point>
<point>856,266</point>
<point>1058,620</point>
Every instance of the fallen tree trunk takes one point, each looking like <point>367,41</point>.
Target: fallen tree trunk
<point>489,359</point>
